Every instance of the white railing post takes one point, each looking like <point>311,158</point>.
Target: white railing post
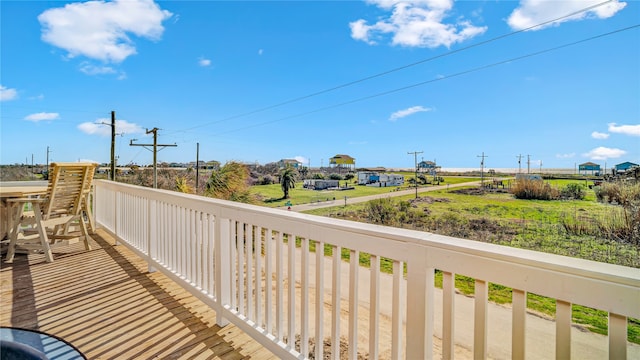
<point>420,295</point>
<point>222,268</point>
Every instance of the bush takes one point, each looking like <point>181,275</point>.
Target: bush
<point>318,176</point>
<point>335,176</point>
<point>534,190</point>
<point>381,211</point>
<point>573,191</point>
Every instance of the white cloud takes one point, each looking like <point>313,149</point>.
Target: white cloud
<point>42,116</point>
<point>101,128</point>
<point>301,159</point>
<point>100,30</point>
<point>91,69</point>
<point>260,51</point>
<point>418,23</point>
<point>633,130</point>
<point>7,93</point>
<point>533,12</point>
<point>406,112</point>
<point>599,135</point>
<point>565,156</point>
<point>204,62</point>
<point>603,153</point>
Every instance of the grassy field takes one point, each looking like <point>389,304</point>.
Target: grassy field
<point>535,225</point>
<point>271,195</point>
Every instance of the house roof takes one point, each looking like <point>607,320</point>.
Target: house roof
<point>589,163</point>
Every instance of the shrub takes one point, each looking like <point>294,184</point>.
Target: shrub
<point>573,191</point>
<point>335,176</point>
<point>534,190</point>
<point>381,211</point>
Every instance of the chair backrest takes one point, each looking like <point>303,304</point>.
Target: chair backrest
<point>68,183</point>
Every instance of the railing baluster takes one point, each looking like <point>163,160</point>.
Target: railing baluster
<point>258,275</point>
<point>223,267</point>
<point>233,274</point>
<point>304,300</point>
<point>519,315</point>
<point>335,304</point>
<point>280,286</point>
<point>249,266</point>
<point>211,266</point>
<point>448,314</point>
<point>397,310</point>
<point>563,330</point>
<point>354,265</point>
<point>240,275</point>
<point>291,269</point>
<point>374,307</point>
<point>617,337</point>
<point>319,354</point>
<point>268,279</point>
<point>480,320</point>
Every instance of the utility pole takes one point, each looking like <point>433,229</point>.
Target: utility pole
<point>415,160</point>
<point>48,162</point>
<point>155,152</point>
<point>482,168</point>
<point>113,146</point>
<point>197,166</point>
<point>519,162</point>
<point>528,163</point>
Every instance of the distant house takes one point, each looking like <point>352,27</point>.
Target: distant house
<point>622,167</point>
<point>589,167</point>
<point>428,167</point>
<point>343,162</point>
<point>376,179</point>
<point>320,184</point>
<point>290,162</point>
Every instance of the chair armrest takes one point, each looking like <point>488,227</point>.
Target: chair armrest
<point>27,200</point>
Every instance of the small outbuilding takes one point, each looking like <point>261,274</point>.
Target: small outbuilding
<point>589,168</point>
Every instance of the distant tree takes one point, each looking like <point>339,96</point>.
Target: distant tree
<point>287,180</point>
<point>349,176</point>
<point>230,182</point>
<point>304,171</point>
<point>318,176</point>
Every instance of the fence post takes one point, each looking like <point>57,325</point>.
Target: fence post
<point>222,267</point>
<point>420,293</point>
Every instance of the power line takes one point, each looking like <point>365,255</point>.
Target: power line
<point>448,53</point>
<point>465,72</point>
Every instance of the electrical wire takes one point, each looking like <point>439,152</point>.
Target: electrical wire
<point>484,67</point>
<point>354,82</point>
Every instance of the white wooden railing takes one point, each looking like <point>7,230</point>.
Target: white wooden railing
<point>240,260</point>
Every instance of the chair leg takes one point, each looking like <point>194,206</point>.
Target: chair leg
<point>85,232</point>
<point>44,239</point>
<point>15,213</point>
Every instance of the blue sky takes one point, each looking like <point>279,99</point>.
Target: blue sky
<point>263,81</point>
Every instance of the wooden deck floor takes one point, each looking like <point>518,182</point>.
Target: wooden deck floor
<point>108,305</point>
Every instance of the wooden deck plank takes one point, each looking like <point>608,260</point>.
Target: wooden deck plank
<point>106,304</point>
